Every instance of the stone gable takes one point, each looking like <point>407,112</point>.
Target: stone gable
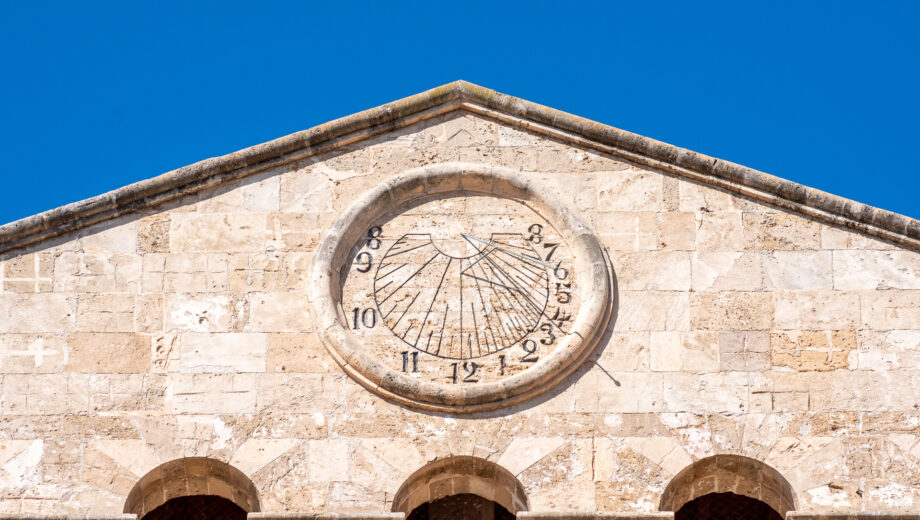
<point>183,330</point>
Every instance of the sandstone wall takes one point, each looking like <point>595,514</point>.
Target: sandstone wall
<point>740,329</point>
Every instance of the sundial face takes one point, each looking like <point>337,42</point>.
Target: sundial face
<point>460,290</point>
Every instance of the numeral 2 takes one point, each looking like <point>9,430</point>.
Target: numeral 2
<point>530,349</point>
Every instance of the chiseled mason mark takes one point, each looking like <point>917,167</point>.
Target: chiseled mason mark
<point>36,349</point>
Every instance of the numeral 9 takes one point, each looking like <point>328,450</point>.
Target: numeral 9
<point>364,261</point>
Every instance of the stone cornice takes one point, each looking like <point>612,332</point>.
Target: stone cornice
<point>461,95</point>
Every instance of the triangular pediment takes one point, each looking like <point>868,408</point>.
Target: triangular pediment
<point>389,120</point>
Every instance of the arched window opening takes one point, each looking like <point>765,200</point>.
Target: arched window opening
<point>728,486</point>
<point>197,507</point>
<point>725,506</point>
<point>465,506</point>
<point>460,488</point>
<point>195,488</point>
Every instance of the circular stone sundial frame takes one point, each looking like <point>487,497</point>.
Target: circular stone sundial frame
<point>443,181</point>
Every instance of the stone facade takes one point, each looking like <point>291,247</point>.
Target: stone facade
<point>182,329</point>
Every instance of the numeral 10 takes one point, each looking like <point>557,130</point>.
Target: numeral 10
<point>367,317</point>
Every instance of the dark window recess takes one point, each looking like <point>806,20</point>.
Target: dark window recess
<point>726,506</point>
<point>460,507</point>
<point>197,507</point>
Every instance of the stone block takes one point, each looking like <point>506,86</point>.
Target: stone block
<point>677,231</point>
<point>105,312</point>
<point>816,310</point>
<point>876,270</point>
<point>870,391</point>
<point>148,313</point>
<point>256,194</point>
<point>211,393</point>
<point>799,270</point>
<point>153,234</point>
<point>699,198</point>
<point>39,312</point>
<point>222,233</point>
<point>297,231</point>
<point>329,460</point>
<point>32,353</point>
<point>626,352</point>
<point>653,270</point>
<point>45,394</point>
<point>279,312</point>
<point>307,191</point>
<point>694,352</point>
<point>727,271</point>
<point>118,393</point>
<point>29,273</point>
<point>108,353</point>
<point>297,352</point>
<point>302,393</point>
<point>720,232</point>
<point>653,310</point>
<point>701,393</point>
<point>732,311</point>
<point>786,231</point>
<point>890,310</point>
<point>118,235</point>
<point>627,230</point>
<point>96,271</point>
<point>887,350</point>
<point>201,312</point>
<point>222,352</point>
<point>833,237</point>
<point>812,350</point>
<point>618,392</point>
<point>629,190</point>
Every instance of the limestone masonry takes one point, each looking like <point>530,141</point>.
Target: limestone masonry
<point>159,341</point>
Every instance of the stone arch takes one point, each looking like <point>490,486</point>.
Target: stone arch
<point>461,475</point>
<point>729,474</point>
<point>191,476</point>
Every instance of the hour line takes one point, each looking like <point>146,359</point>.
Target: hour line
<point>512,253</point>
<point>430,305</point>
<point>411,277</point>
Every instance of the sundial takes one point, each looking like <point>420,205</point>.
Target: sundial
<point>460,288</point>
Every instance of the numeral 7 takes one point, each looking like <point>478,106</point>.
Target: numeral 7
<point>552,249</point>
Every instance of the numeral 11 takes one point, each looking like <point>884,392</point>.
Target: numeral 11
<point>406,356</point>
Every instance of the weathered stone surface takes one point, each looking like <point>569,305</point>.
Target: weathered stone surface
<point>43,312</point>
<point>217,233</point>
<point>739,328</point>
<point>107,353</point>
<point>779,231</point>
<point>732,311</point>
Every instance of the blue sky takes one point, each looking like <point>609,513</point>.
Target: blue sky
<point>100,95</point>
